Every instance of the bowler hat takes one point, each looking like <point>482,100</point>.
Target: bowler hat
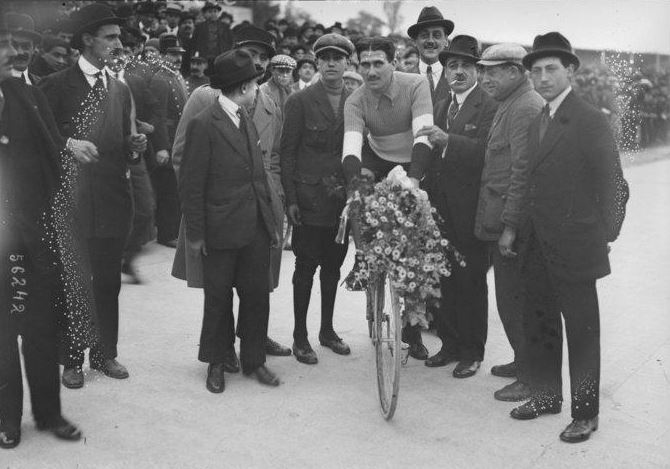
<point>21,24</point>
<point>169,43</point>
<point>211,6</point>
<point>250,34</point>
<point>464,47</point>
<point>333,41</point>
<point>89,18</point>
<point>233,67</point>
<point>552,44</point>
<point>430,16</point>
<point>505,53</point>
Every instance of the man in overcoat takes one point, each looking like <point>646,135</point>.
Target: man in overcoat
<point>574,205</point>
<point>311,149</point>
<point>89,103</point>
<point>459,139</point>
<point>502,188</point>
<point>227,207</point>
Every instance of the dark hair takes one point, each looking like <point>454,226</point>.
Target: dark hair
<point>50,42</point>
<point>383,44</point>
<point>409,51</point>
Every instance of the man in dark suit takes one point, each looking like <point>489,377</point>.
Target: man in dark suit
<point>89,103</point>
<point>311,149</point>
<point>24,39</point>
<point>459,139</point>
<point>430,34</point>
<point>226,204</point>
<point>574,205</point>
<point>29,176</point>
<point>211,37</point>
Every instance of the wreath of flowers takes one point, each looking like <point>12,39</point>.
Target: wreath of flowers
<point>400,237</point>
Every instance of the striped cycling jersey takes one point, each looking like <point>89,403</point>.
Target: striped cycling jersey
<point>391,119</point>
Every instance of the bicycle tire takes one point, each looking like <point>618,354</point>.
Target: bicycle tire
<point>387,340</point>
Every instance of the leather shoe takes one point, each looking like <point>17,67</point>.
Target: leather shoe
<point>504,371</point>
<point>418,351</point>
<point>333,342</point>
<point>466,368</point>
<point>132,277</point>
<point>304,353</point>
<point>73,378</point>
<point>61,428</point>
<point>514,392</point>
<point>265,376</point>
<point>534,408</point>
<point>215,383</point>
<point>441,358</point>
<point>579,430</point>
<point>231,364</point>
<point>276,349</point>
<point>110,367</point>
<point>10,437</point>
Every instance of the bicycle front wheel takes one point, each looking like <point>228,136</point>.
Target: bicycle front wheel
<point>387,335</point>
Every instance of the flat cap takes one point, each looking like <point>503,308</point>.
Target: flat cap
<point>505,53</point>
<point>354,76</point>
<point>283,61</point>
<point>333,41</point>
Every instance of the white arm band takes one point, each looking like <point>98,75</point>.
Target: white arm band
<point>419,122</point>
<point>353,143</point>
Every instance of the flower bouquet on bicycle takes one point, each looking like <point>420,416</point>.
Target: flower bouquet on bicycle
<point>399,237</point>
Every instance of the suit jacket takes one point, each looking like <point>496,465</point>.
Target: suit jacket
<point>223,185</point>
<point>311,154</point>
<point>104,206</point>
<point>29,153</point>
<point>506,163</point>
<point>200,42</point>
<point>576,196</point>
<point>453,181</point>
<point>442,89</point>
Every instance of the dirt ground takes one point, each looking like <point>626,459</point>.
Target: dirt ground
<point>327,415</point>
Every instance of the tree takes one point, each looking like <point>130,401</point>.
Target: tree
<point>393,16</point>
<point>366,23</point>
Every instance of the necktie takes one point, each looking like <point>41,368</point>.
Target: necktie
<point>451,112</point>
<point>429,74</point>
<point>99,84</point>
<point>544,121</point>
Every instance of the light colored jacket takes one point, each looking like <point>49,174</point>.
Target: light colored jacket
<point>505,170</point>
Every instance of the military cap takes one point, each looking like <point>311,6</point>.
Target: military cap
<point>505,53</point>
<point>168,43</point>
<point>333,41</point>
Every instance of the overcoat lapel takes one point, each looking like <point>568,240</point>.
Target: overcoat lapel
<point>468,109</point>
<point>227,129</point>
<point>556,128</point>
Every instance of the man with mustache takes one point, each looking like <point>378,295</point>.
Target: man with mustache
<point>452,182</point>
<point>430,35</point>
<point>24,39</point>
<point>388,110</point>
<point>197,77</point>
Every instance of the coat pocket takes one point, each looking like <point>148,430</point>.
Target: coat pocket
<point>316,135</point>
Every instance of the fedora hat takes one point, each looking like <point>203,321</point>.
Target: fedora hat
<point>252,35</point>
<point>465,47</point>
<point>430,16</point>
<point>89,18</point>
<point>21,24</point>
<point>233,67</point>
<point>552,44</point>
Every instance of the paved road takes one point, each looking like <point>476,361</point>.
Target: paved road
<point>326,415</point>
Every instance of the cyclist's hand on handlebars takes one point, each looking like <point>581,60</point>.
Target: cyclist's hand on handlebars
<point>294,214</point>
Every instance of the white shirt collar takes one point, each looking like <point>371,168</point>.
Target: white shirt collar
<point>435,68</point>
<point>90,71</point>
<point>23,74</point>
<point>461,97</point>
<point>230,108</point>
<point>557,101</point>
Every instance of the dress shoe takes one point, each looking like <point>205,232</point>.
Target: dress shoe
<point>466,368</point>
<point>129,271</point>
<point>215,383</point>
<point>514,392</point>
<point>61,428</point>
<point>73,378</point>
<point>172,243</point>
<point>110,367</point>
<point>265,376</point>
<point>275,349</point>
<point>441,358</point>
<point>231,364</point>
<point>579,430</point>
<point>418,351</point>
<point>333,342</point>
<point>504,371</point>
<point>304,353</point>
<point>10,437</point>
<point>536,407</point>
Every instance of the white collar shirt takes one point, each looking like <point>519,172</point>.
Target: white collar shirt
<point>230,108</point>
<point>436,70</point>
<point>557,101</point>
<point>24,75</point>
<point>90,72</point>
<point>461,97</point>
